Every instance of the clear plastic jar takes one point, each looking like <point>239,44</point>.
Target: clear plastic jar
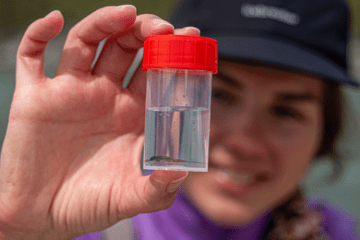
<point>178,97</point>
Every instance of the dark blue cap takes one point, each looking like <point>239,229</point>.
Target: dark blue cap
<point>311,36</point>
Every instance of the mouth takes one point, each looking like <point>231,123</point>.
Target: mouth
<point>236,181</point>
<point>226,175</point>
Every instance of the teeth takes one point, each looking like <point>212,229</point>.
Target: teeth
<point>222,176</point>
<point>236,177</point>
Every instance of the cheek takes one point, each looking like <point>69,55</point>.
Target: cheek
<point>297,148</point>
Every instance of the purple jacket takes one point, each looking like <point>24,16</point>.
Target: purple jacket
<point>183,221</point>
<point>90,236</point>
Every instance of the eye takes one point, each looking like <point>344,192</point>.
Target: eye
<point>218,95</point>
<point>223,97</point>
<point>287,113</point>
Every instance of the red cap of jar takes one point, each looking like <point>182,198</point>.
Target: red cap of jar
<point>180,51</point>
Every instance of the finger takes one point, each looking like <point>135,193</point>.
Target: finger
<point>137,84</point>
<point>84,38</point>
<point>30,55</point>
<point>120,50</point>
<point>192,31</point>
<point>161,187</point>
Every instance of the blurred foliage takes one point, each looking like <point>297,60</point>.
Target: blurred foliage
<point>355,17</point>
<point>16,15</point>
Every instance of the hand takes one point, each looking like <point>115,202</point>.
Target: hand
<point>70,163</point>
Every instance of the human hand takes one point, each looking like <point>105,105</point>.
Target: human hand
<point>70,163</point>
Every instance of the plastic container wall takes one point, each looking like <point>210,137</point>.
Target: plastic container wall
<point>177,119</point>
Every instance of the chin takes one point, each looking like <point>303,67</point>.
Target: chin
<point>231,212</point>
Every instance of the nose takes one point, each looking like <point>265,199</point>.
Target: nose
<point>243,134</point>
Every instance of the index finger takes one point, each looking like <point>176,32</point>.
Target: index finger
<point>84,38</point>
<point>30,54</point>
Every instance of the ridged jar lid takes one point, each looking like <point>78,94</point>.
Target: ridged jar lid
<point>180,51</point>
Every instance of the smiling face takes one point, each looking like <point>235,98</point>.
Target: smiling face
<point>266,127</point>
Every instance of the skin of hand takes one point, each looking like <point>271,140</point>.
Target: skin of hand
<point>70,162</point>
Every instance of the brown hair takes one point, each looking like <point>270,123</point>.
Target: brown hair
<point>332,118</point>
<point>332,114</point>
<point>295,220</point>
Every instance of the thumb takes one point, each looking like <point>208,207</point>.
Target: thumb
<point>161,187</point>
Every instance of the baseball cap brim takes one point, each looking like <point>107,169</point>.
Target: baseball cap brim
<point>281,53</point>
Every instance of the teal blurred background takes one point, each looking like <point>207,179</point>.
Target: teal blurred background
<point>16,15</point>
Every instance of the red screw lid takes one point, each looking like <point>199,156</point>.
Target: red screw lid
<point>179,51</point>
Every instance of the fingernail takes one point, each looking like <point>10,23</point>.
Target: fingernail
<point>174,185</point>
<point>159,22</point>
<point>194,28</point>
<point>52,12</point>
<point>126,5</point>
